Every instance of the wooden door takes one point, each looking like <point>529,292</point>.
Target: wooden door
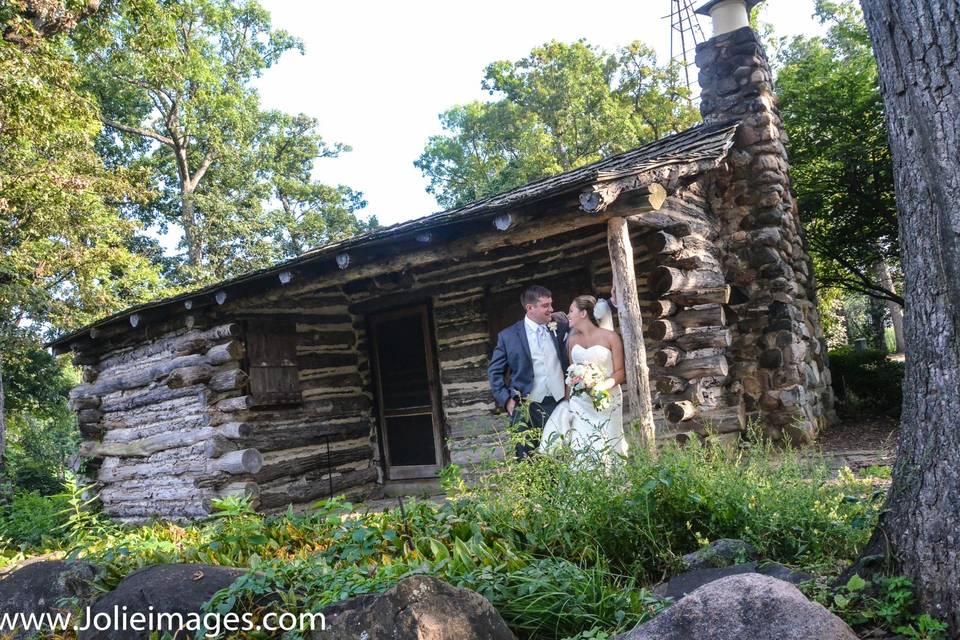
<point>408,395</point>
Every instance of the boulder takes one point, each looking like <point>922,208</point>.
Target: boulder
<point>688,582</point>
<point>418,608</point>
<point>720,553</point>
<point>36,587</point>
<point>749,605</point>
<point>169,588</point>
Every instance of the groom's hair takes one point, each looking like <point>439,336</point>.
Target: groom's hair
<point>533,294</point>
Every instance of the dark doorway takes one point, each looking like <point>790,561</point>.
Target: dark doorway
<point>407,393</point>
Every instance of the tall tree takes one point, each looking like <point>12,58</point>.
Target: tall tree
<point>563,106</point>
<point>307,213</point>
<point>843,173</point>
<point>173,79</point>
<point>65,251</point>
<point>176,74</point>
<point>917,44</point>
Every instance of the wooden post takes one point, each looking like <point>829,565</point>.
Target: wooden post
<point>625,282</point>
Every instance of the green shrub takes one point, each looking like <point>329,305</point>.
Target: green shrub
<point>30,521</point>
<point>562,549</point>
<point>643,514</point>
<point>885,604</point>
<point>866,382</point>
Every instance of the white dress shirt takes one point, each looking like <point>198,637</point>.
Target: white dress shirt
<point>548,376</point>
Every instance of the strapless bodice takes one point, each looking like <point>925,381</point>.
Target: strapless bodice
<point>597,354</point>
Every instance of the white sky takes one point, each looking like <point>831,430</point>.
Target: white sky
<point>377,74</point>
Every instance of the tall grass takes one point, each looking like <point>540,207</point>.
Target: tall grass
<point>563,547</point>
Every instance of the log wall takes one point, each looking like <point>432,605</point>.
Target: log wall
<point>171,424</point>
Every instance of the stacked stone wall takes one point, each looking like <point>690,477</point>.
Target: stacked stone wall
<point>778,348</point>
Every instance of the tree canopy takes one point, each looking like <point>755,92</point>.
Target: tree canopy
<point>174,85</point>
<point>841,163</point>
<point>66,252</point>
<point>563,106</point>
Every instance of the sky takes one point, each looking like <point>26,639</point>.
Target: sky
<point>377,74</point>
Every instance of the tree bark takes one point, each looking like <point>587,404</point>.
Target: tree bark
<point>896,311</point>
<point>916,43</point>
<point>638,377</point>
<point>189,221</point>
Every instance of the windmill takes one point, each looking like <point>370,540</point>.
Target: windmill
<point>685,35</point>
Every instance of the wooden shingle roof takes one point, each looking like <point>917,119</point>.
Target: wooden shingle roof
<point>703,145</point>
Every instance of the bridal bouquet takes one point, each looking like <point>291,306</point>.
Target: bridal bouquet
<point>587,378</point>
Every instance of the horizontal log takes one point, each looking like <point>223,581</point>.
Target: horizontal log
<point>670,279</point>
<point>189,376</point>
<point>174,343</point>
<point>671,384</point>
<point>226,352</point>
<point>269,437</point>
<point>692,297</point>
<point>240,462</point>
<point>712,339</point>
<point>709,366</point>
<point>238,403</point>
<point>77,403</point>
<point>148,397</point>
<point>163,441</point>
<point>228,380</point>
<point>661,308</point>
<point>718,421</point>
<point>217,446</point>
<point>693,392</point>
<point>661,242</point>
<point>292,462</point>
<point>314,487</point>
<point>665,330</point>
<point>680,411</point>
<point>127,379</point>
<point>668,356</point>
<point>712,316</point>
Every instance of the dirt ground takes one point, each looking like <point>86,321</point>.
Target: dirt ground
<point>860,442</point>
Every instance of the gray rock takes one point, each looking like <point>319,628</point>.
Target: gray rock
<point>168,588</point>
<point>36,587</point>
<point>688,582</point>
<point>417,608</point>
<point>744,606</point>
<point>720,553</point>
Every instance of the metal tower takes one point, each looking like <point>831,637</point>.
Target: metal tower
<point>685,35</point>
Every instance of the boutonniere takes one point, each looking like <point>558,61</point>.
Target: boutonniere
<point>552,325</point>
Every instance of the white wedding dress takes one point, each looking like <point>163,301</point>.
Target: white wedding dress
<point>577,424</point>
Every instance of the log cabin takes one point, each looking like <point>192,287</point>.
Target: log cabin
<point>362,364</point>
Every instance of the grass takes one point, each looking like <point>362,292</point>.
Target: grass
<point>563,549</point>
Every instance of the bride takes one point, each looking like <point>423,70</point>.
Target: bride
<point>575,422</point>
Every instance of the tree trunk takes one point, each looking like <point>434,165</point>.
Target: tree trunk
<point>916,44</point>
<point>896,311</point>
<point>635,355</point>
<point>876,312</point>
<point>190,234</point>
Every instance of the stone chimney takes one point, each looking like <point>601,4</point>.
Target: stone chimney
<point>778,353</point>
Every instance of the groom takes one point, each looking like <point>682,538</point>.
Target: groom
<point>533,353</point>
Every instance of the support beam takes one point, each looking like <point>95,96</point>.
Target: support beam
<point>631,326</point>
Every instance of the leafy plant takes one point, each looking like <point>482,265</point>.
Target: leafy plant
<point>887,603</point>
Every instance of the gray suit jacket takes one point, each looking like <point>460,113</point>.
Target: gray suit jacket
<point>512,356</point>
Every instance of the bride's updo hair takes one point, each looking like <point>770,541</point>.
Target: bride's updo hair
<point>588,304</point>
